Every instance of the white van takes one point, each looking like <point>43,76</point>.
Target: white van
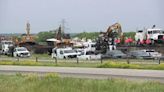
<point>63,53</point>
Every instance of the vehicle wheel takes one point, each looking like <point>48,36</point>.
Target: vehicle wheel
<point>64,57</point>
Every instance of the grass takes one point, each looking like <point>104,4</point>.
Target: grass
<point>59,64</point>
<point>96,64</point>
<point>53,83</point>
<point>131,66</point>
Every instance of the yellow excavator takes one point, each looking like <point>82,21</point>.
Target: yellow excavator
<point>115,31</point>
<point>107,38</point>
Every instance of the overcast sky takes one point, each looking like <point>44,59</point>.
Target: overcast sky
<point>80,15</point>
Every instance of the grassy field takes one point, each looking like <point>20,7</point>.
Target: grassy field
<point>59,64</point>
<point>106,64</point>
<point>53,83</point>
<point>131,66</point>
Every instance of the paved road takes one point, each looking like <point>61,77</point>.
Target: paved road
<point>96,73</point>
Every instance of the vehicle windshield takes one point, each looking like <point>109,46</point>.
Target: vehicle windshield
<point>69,51</point>
<point>140,31</point>
<point>150,51</point>
<point>162,31</point>
<point>156,31</point>
<point>90,53</point>
<point>93,45</point>
<point>21,49</point>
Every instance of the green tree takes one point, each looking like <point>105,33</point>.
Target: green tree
<point>87,35</point>
<point>42,36</point>
<point>129,34</point>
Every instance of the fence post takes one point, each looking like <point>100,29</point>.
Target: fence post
<point>56,60</point>
<point>159,60</point>
<point>101,60</point>
<point>128,62</point>
<point>17,58</point>
<point>36,59</point>
<point>77,60</point>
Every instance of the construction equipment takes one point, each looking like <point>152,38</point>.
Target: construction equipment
<point>26,39</point>
<point>63,40</point>
<point>106,40</point>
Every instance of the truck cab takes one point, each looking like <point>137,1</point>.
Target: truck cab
<point>153,34</point>
<point>6,44</point>
<point>63,53</point>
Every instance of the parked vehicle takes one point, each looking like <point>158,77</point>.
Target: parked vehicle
<point>21,52</point>
<point>5,44</point>
<point>89,55</point>
<point>150,35</point>
<point>64,53</point>
<point>114,54</point>
<point>153,53</point>
<point>90,46</point>
<point>79,51</point>
<point>139,54</point>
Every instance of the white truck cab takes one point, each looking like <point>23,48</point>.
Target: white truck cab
<point>151,34</point>
<point>5,44</point>
<point>90,46</point>
<point>154,33</point>
<point>64,53</point>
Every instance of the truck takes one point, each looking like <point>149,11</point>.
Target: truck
<point>5,45</point>
<point>63,53</point>
<point>21,52</point>
<point>150,35</point>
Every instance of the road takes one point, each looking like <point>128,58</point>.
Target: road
<point>95,73</point>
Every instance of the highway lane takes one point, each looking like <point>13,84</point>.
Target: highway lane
<point>95,73</point>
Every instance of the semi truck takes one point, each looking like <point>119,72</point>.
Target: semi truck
<point>151,35</point>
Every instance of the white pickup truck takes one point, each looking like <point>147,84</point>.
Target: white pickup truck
<point>21,52</point>
<point>64,53</point>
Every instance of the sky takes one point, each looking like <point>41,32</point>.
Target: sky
<point>79,15</point>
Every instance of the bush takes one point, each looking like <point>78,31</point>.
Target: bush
<point>131,66</point>
<point>118,65</point>
<point>51,75</point>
